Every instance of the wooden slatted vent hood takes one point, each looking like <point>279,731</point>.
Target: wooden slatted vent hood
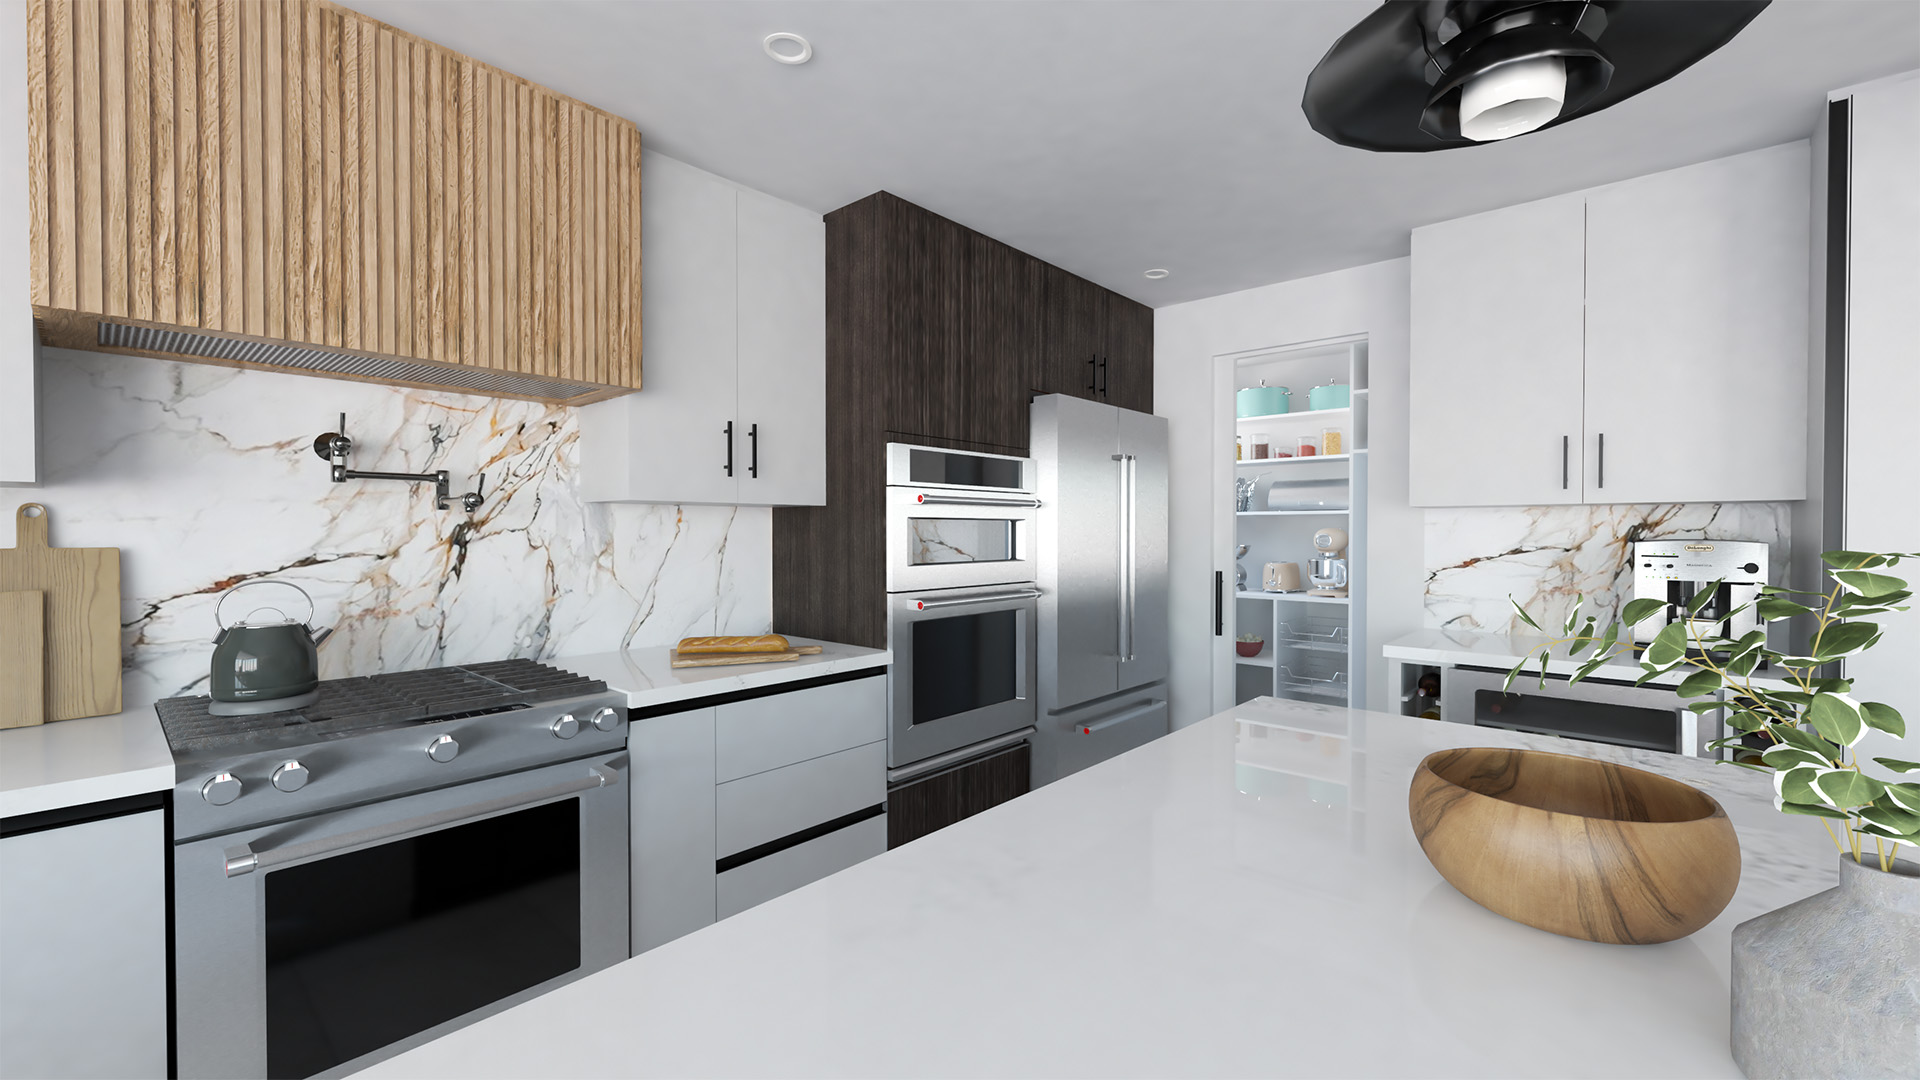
<point>285,184</point>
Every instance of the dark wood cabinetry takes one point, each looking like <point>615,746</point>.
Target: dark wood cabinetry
<point>919,807</point>
<point>936,335</point>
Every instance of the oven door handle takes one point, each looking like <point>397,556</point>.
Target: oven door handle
<point>243,859</point>
<point>929,499</point>
<point>979,598</point>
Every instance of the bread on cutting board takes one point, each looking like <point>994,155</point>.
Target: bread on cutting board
<point>695,646</point>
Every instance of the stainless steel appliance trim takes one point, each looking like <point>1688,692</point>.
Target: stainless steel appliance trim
<point>925,499</point>
<point>1130,573</point>
<point>952,757</point>
<point>900,467</point>
<point>977,598</point>
<point>1120,717</point>
<point>242,859</point>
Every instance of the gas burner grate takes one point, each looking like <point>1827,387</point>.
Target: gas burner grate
<point>349,705</point>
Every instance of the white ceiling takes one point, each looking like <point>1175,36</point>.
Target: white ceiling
<point>1113,137</point>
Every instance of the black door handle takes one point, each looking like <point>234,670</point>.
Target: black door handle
<point>1219,603</point>
<point>1603,460</point>
<point>1093,375</point>
<point>1106,380</point>
<point>753,446</point>
<point>1566,451</point>
<point>728,431</point>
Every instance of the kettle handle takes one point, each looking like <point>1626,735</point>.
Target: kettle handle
<point>262,581</point>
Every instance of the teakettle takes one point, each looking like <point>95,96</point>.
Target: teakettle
<point>265,664</point>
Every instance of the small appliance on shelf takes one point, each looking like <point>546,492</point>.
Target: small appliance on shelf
<point>1281,577</point>
<point>1328,569</point>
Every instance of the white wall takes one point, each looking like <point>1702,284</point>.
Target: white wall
<point>1370,300</point>
<point>19,449</point>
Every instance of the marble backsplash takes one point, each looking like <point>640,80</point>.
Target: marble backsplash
<point>205,477</point>
<point>1545,556</point>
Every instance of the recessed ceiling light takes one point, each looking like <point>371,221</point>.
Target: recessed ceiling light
<point>788,48</point>
<point>1156,274</point>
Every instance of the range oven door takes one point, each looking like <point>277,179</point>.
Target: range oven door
<point>317,946</point>
<point>962,671</point>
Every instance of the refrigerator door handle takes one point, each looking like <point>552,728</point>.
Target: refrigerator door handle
<point>1124,646</point>
<point>1122,717</point>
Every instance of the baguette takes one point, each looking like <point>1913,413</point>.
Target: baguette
<point>695,646</point>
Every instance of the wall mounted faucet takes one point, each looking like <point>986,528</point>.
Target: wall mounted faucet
<point>334,446</point>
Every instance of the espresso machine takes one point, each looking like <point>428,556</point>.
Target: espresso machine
<point>1676,572</point>
<point>1328,567</point>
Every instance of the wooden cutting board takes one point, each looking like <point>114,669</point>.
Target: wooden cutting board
<point>729,659</point>
<point>23,658</point>
<point>82,597</point>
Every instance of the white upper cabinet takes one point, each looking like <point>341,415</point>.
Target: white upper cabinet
<point>19,394</point>
<point>1697,303</point>
<point>1495,372</point>
<point>1658,326</point>
<point>733,407</point>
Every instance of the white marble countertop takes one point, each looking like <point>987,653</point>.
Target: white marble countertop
<point>645,676</point>
<point>1242,897</point>
<point>1480,649</point>
<point>49,766</point>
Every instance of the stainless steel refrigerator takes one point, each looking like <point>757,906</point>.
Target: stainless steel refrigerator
<point>1101,534</point>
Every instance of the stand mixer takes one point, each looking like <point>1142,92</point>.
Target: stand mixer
<point>1328,567</point>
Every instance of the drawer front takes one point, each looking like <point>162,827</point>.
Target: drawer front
<point>783,871</point>
<point>767,806</point>
<point>781,729</point>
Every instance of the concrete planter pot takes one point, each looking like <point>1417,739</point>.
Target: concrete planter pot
<point>1830,985</point>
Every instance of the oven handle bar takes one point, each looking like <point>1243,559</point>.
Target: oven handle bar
<point>928,499</point>
<point>979,598</point>
<point>966,753</point>
<point>244,860</point>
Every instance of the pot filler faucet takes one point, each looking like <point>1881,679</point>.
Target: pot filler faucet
<point>334,446</point>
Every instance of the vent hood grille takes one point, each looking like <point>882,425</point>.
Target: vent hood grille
<point>149,339</point>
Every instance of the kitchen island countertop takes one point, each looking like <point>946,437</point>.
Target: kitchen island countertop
<point>1242,897</point>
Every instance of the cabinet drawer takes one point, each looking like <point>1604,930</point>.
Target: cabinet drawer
<point>784,871</point>
<point>767,806</point>
<point>781,729</point>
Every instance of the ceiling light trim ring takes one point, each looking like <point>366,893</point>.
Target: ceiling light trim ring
<point>784,38</point>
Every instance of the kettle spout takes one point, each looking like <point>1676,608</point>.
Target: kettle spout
<point>320,636</point>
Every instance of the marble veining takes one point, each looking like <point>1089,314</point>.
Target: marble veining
<point>205,477</point>
<point>1545,556</point>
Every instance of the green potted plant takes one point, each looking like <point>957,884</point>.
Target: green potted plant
<point>1852,951</point>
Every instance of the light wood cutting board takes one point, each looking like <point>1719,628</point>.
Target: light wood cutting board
<point>82,595</point>
<point>23,658</point>
<point>730,659</point>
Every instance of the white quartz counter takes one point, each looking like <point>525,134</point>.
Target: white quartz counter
<point>71,762</point>
<point>646,677</point>
<point>1242,897</point>
<point>1478,649</point>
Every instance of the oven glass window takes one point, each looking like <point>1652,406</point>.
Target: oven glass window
<point>960,540</point>
<point>934,467</point>
<point>367,948</point>
<point>964,662</point>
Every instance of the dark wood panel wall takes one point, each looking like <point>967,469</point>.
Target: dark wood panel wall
<point>940,336</point>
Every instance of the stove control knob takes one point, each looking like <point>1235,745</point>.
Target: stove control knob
<point>606,719</point>
<point>566,727</point>
<point>443,748</point>
<point>290,776</point>
<point>221,790</point>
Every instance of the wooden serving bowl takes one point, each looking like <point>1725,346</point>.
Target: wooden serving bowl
<point>1583,848</point>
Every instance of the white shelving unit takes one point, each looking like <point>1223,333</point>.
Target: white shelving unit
<point>1310,652</point>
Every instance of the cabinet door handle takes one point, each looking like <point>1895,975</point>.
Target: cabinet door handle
<point>1093,375</point>
<point>753,447</point>
<point>1603,461</point>
<point>1566,454</point>
<point>1219,603</point>
<point>1106,380</point>
<point>728,432</point>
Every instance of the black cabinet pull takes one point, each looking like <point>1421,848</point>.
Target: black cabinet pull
<point>1219,603</point>
<point>1093,375</point>
<point>753,445</point>
<point>1566,453</point>
<point>728,431</point>
<point>1106,380</point>
<point>1603,460</point>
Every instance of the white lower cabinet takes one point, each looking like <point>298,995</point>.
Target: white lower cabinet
<point>83,948</point>
<point>737,802</point>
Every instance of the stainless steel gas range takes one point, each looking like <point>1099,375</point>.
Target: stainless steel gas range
<point>407,854</point>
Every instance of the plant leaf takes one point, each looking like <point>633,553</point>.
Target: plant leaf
<point>1636,611</point>
<point>1837,641</point>
<point>1792,757</point>
<point>1852,560</point>
<point>1883,717</point>
<point>1669,645</point>
<point>1870,585</point>
<point>1896,821</point>
<point>1573,615</point>
<point>1806,740</point>
<point>1897,765</point>
<point>1772,607</point>
<point>1810,809</point>
<point>1844,788</point>
<point>1836,717</point>
<point>1698,683</point>
<point>1795,785</point>
<point>1522,612</point>
<point>1904,796</point>
<point>1704,597</point>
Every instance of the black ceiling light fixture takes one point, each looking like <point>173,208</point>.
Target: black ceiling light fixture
<point>1419,75</point>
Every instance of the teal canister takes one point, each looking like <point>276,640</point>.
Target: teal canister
<point>1330,396</point>
<point>1262,400</point>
